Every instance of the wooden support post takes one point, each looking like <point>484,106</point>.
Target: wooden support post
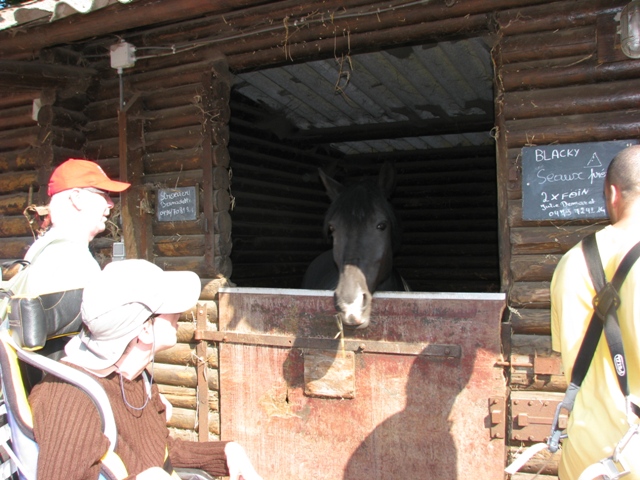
<point>203,385</point>
<point>136,224</point>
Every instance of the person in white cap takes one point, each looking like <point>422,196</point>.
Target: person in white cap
<point>130,311</point>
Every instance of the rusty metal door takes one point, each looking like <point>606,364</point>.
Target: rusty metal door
<point>410,397</point>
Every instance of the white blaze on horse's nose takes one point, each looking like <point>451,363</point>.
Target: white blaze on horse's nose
<point>355,308</point>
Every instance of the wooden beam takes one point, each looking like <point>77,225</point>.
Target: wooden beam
<point>116,18</point>
<point>422,128</point>
<point>40,75</point>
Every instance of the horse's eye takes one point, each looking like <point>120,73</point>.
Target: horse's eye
<point>331,229</point>
<point>381,226</point>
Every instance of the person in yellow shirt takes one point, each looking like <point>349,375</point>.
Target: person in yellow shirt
<point>599,418</point>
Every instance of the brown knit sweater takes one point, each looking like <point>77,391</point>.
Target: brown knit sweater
<point>69,432</point>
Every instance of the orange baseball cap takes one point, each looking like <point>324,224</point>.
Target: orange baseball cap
<point>76,173</point>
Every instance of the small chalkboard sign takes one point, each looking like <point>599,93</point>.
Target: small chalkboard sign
<point>177,204</point>
<point>564,182</point>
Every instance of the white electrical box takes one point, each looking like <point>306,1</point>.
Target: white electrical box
<point>123,55</point>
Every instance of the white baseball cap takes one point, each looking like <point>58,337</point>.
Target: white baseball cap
<point>117,302</point>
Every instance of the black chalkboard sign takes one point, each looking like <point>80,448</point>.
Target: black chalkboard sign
<point>563,182</point>
<point>177,204</point>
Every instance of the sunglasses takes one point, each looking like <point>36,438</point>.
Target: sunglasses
<point>102,193</point>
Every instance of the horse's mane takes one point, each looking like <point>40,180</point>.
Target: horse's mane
<point>359,202</point>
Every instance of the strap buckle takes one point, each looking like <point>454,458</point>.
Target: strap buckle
<point>606,299</point>
<point>605,469</point>
<point>624,441</point>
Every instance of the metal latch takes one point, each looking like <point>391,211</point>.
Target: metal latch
<point>533,413</point>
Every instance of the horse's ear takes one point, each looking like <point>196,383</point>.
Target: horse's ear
<point>334,188</point>
<point>387,179</point>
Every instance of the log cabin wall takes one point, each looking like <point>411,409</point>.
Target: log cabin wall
<point>40,126</point>
<point>560,78</point>
<point>164,125</point>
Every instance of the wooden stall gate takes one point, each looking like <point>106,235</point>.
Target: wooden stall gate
<point>420,392</point>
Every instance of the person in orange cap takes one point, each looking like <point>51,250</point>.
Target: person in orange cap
<point>60,260</point>
<point>79,207</point>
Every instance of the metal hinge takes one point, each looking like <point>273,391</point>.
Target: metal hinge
<point>497,416</point>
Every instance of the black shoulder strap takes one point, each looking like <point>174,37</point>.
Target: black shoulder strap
<point>605,305</point>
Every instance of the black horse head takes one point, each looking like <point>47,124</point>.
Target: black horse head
<point>365,235</point>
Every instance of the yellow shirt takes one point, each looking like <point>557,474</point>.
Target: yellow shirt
<point>598,420</point>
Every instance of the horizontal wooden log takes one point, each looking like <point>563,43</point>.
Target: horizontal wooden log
<point>19,181</point>
<point>448,249</point>
<point>220,178</point>
<point>177,117</point>
<point>211,286</point>
<point>428,261</point>
<point>103,109</point>
<point>39,75</point>
<point>270,212</point>
<point>183,397</point>
<point>259,189</point>
<point>450,214</point>
<point>441,225</point>
<point>533,268</point>
<point>544,17</point>
<point>243,19</point>
<point>439,238</point>
<point>173,97</point>
<point>268,169</point>
<point>103,129</point>
<point>443,274</point>
<point>188,245</point>
<point>18,97</point>
<point>14,203</point>
<point>325,43</point>
<point>16,117</point>
<point>14,247</point>
<point>104,148</point>
<point>528,321</point>
<point>187,419</point>
<point>61,117</point>
<point>529,295</point>
<point>242,228</point>
<point>402,202</point>
<point>548,240</point>
<point>15,226</point>
<point>192,227</point>
<point>556,44</point>
<point>221,265</point>
<point>184,74</point>
<point>24,159</point>
<point>566,71</point>
<point>185,137</point>
<point>275,256</point>
<point>19,138</point>
<point>601,97</point>
<point>573,128</point>
<point>186,159</point>
<point>184,354</point>
<point>179,246</point>
<point>182,376</point>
